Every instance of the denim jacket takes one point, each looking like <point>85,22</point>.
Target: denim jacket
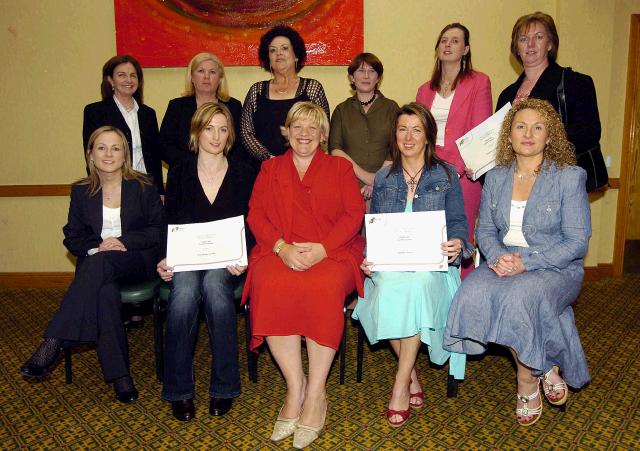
<point>556,222</point>
<point>434,192</point>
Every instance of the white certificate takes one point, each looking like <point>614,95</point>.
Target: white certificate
<point>206,245</point>
<point>406,241</point>
<point>478,146</point>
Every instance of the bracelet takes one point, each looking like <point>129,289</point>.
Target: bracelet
<point>278,247</point>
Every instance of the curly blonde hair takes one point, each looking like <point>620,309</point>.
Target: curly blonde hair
<point>559,150</point>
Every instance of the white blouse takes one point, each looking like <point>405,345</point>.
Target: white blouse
<point>514,236</point>
<point>131,118</point>
<point>111,226</point>
<point>440,110</point>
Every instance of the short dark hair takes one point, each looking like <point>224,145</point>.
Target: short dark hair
<point>365,58</point>
<point>107,71</point>
<point>287,32</point>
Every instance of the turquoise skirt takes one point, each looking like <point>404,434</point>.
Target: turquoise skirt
<point>403,304</point>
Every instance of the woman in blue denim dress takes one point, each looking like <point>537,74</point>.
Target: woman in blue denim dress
<point>408,308</point>
<point>533,229</point>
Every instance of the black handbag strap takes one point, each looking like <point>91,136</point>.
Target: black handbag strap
<point>562,100</point>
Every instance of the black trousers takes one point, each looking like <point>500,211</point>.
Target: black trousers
<point>91,308</point>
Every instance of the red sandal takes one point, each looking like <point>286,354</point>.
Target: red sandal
<point>420,395</point>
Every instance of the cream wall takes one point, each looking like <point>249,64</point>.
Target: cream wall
<point>53,52</point>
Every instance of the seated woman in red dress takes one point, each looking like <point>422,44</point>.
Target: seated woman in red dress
<point>305,212</point>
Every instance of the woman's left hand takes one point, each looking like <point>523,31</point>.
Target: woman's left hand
<point>111,244</point>
<point>312,253</point>
<point>514,264</point>
<point>469,173</point>
<point>366,191</point>
<point>236,270</point>
<point>452,249</point>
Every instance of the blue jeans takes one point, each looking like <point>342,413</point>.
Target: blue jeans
<point>214,289</point>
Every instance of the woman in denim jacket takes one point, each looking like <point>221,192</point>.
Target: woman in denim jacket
<point>408,308</point>
<point>533,229</point>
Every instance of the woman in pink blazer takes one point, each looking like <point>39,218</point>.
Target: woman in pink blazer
<point>459,99</point>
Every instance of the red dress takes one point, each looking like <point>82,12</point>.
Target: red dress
<point>325,207</point>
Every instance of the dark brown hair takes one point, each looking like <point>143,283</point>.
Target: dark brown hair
<point>107,71</point>
<point>365,58</point>
<point>430,130</point>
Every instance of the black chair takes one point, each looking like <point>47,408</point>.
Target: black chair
<point>133,294</point>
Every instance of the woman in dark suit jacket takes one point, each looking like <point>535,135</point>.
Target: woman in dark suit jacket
<point>205,82</point>
<point>114,227</point>
<point>534,43</point>
<point>121,88</point>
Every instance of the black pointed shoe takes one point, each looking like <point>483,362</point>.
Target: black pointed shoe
<point>220,406</point>
<point>43,359</point>
<point>125,390</point>
<point>183,409</point>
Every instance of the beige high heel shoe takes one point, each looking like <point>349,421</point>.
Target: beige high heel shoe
<point>534,413</point>
<point>305,435</point>
<point>284,427</point>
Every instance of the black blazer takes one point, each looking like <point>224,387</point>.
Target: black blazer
<point>176,124</point>
<point>141,218</point>
<point>106,112</point>
<point>183,186</point>
<point>583,127</point>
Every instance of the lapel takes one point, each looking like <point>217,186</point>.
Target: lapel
<point>547,84</point>
<point>126,203</point>
<point>504,197</point>
<point>430,94</point>
<point>284,172</point>
<point>94,207</point>
<point>460,97</point>
<point>535,197</point>
<point>114,112</point>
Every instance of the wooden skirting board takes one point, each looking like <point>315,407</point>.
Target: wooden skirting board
<point>63,279</point>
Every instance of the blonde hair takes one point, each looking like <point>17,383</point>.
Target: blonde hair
<point>128,173</point>
<point>200,121</point>
<point>558,150</point>
<point>223,90</point>
<point>312,112</point>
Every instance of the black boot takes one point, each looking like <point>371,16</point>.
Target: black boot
<point>43,360</point>
<point>125,390</point>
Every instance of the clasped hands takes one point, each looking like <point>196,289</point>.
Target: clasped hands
<point>508,265</point>
<point>302,256</point>
<point>111,244</point>
<point>451,249</point>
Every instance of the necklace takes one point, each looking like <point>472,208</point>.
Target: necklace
<point>370,101</point>
<point>413,179</point>
<point>521,176</point>
<point>285,90</point>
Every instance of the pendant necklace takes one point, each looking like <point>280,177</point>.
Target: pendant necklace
<point>413,179</point>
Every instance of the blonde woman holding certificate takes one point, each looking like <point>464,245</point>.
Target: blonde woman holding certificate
<point>410,308</point>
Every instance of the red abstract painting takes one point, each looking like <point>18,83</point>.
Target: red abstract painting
<point>168,33</point>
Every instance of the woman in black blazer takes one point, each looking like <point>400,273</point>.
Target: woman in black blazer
<point>534,43</point>
<point>121,88</point>
<point>205,186</point>
<point>205,82</point>
<point>114,228</point>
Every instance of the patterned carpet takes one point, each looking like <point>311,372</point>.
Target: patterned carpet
<point>84,415</point>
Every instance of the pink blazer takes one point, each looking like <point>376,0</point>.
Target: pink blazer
<point>471,105</point>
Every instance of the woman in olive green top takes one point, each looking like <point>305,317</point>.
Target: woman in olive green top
<point>361,125</point>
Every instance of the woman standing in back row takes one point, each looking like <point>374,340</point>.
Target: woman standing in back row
<point>459,99</point>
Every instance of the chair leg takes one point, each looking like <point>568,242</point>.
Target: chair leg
<point>360,353</point>
<point>68,372</point>
<point>252,357</point>
<point>343,349</point>
<point>452,387</point>
<point>158,338</point>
